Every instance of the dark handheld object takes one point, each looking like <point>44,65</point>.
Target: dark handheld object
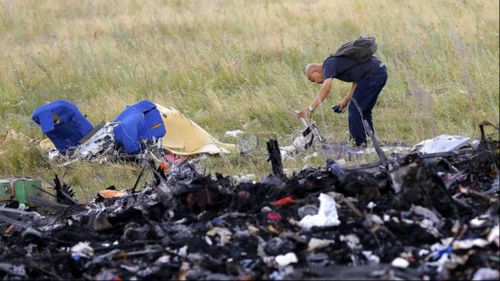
<point>336,108</point>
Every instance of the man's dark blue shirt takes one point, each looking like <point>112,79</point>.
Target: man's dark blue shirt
<point>347,69</point>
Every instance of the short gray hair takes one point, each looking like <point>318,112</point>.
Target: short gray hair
<point>310,66</point>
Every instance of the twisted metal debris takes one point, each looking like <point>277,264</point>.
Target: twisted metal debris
<point>415,217</point>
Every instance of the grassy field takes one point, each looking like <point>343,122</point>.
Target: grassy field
<point>230,63</point>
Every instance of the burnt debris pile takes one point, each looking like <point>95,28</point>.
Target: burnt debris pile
<point>412,217</point>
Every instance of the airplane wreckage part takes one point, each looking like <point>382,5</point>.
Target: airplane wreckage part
<point>430,216</point>
<point>135,133</point>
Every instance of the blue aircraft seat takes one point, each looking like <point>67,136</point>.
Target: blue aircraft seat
<point>63,123</point>
<point>138,122</point>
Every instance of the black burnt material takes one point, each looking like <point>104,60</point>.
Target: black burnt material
<point>427,217</point>
<point>275,157</point>
<point>64,193</point>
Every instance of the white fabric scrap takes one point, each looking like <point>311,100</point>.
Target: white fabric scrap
<point>327,214</point>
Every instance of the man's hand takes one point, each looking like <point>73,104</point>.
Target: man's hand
<point>323,93</point>
<point>345,102</point>
<point>339,108</point>
<point>343,105</point>
<point>306,113</point>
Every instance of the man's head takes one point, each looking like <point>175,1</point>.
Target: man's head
<point>314,72</point>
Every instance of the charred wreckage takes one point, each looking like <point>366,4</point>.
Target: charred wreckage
<point>408,216</point>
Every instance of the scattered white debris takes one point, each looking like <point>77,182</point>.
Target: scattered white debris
<point>400,263</point>
<point>54,154</point>
<point>486,274</point>
<point>327,214</point>
<point>300,143</point>
<point>469,243</point>
<point>233,134</point>
<point>494,235</point>
<point>377,220</point>
<point>475,144</point>
<point>308,157</point>
<point>440,263</point>
<point>224,234</point>
<point>265,209</point>
<point>340,162</point>
<point>385,149</point>
<point>208,241</point>
<point>352,241</point>
<point>397,177</point>
<point>288,152</point>
<point>371,257</point>
<point>245,178</point>
<point>163,259</point>
<point>423,252</point>
<point>130,268</point>
<point>426,213</point>
<point>82,250</point>
<point>183,251</point>
<point>477,222</point>
<point>284,260</point>
<point>316,243</point>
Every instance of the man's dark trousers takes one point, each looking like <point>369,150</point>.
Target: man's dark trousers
<point>366,94</point>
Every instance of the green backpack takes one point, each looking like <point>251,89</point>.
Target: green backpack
<point>360,49</point>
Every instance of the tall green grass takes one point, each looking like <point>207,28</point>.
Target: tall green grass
<point>228,63</point>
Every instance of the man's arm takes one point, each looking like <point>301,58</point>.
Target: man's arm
<point>323,93</point>
<point>348,97</point>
